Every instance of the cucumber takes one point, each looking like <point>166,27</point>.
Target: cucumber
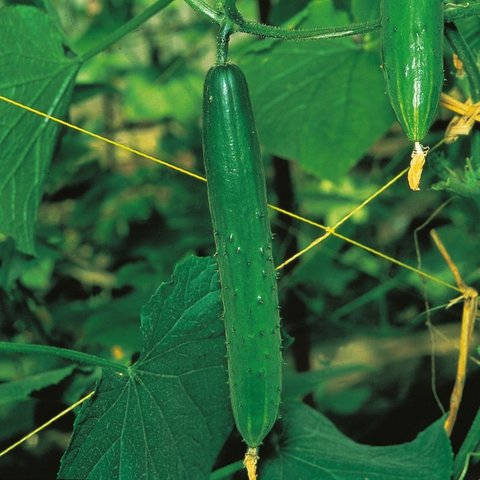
<point>412,48</point>
<point>238,206</point>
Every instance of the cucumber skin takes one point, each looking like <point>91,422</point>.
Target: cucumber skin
<point>238,206</point>
<point>412,48</point>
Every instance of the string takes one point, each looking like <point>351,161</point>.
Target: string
<point>329,230</point>
<point>428,321</point>
<point>46,424</point>
<point>103,139</point>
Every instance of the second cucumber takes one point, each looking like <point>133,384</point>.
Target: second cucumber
<point>412,46</point>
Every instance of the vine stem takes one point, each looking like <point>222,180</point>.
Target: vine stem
<point>201,7</point>
<point>452,13</point>
<point>467,57</point>
<point>232,12</point>
<point>65,353</point>
<point>126,28</point>
<point>456,12</point>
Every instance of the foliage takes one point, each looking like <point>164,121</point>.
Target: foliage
<point>88,231</point>
<point>150,421</point>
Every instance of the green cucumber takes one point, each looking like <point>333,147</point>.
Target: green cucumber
<point>238,206</point>
<point>412,47</point>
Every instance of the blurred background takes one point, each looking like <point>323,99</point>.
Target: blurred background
<point>112,226</point>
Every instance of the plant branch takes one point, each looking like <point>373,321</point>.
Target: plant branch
<point>201,7</point>
<point>126,28</point>
<point>451,13</point>
<point>232,12</point>
<point>65,353</point>
<point>456,12</point>
<point>271,31</point>
<point>464,52</point>
<point>254,28</point>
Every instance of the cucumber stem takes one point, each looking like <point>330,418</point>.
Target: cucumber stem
<point>250,462</point>
<point>226,29</point>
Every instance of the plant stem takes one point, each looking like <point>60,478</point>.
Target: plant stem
<point>307,34</point>
<point>462,11</point>
<point>223,37</point>
<point>201,7</point>
<point>232,12</point>
<point>227,470</point>
<point>260,29</point>
<point>464,52</point>
<point>65,353</point>
<point>126,28</point>
<point>452,13</point>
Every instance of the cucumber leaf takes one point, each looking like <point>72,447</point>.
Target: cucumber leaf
<point>310,447</point>
<point>160,420</point>
<point>321,103</point>
<point>20,389</point>
<point>36,72</point>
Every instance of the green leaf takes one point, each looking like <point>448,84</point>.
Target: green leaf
<point>13,423</point>
<point>285,9</point>
<point>169,417</point>
<point>148,97</point>
<point>364,10</point>
<point>465,184</point>
<point>12,263</point>
<point>470,445</point>
<point>321,103</point>
<point>17,390</point>
<point>35,71</point>
<point>311,447</point>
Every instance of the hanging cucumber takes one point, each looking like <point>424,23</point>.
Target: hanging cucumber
<point>412,47</point>
<point>238,206</point>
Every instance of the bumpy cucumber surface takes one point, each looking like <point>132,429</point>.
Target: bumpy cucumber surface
<point>412,47</point>
<point>238,205</point>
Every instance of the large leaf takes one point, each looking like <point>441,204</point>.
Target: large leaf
<point>35,71</point>
<point>311,448</point>
<point>321,103</point>
<point>168,418</point>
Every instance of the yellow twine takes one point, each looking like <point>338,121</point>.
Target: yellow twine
<point>46,424</point>
<point>329,230</point>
